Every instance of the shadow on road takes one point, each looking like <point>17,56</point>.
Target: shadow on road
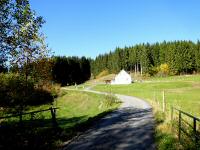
<point>40,134</point>
<point>126,128</point>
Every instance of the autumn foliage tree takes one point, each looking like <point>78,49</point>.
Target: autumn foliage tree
<point>164,69</point>
<point>26,38</point>
<point>23,48</point>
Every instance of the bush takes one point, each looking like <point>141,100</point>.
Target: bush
<point>55,90</point>
<point>110,100</point>
<point>38,97</point>
<point>154,70</point>
<point>164,69</point>
<point>16,93</point>
<point>159,117</point>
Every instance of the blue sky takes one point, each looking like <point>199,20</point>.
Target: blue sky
<point>93,27</point>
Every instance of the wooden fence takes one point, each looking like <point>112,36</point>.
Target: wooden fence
<point>188,128</point>
<point>32,114</point>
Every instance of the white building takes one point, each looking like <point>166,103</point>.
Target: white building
<point>122,78</point>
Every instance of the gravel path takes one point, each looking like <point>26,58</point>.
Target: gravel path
<point>131,127</point>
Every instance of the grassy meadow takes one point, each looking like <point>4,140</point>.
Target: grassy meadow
<point>78,107</point>
<point>180,91</point>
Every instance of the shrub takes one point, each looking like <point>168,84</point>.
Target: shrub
<point>16,93</point>
<point>38,97</point>
<point>55,90</point>
<point>154,70</point>
<point>110,100</point>
<point>159,117</point>
<point>164,69</point>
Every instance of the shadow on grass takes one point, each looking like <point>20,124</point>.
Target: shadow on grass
<point>40,134</point>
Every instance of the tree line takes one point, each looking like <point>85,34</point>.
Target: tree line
<point>181,57</point>
<point>58,69</point>
<point>70,70</point>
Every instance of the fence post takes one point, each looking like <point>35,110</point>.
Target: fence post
<point>195,130</point>
<point>53,114</point>
<point>32,116</point>
<point>163,101</point>
<point>179,126</point>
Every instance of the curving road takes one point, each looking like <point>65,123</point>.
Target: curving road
<point>131,127</point>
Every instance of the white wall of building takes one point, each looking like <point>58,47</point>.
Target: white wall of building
<point>122,78</point>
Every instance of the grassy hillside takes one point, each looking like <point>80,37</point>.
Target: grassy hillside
<point>78,107</point>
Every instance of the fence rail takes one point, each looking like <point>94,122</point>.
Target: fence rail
<point>195,136</point>
<point>32,113</point>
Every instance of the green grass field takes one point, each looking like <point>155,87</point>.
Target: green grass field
<point>77,107</point>
<point>180,91</point>
<point>74,107</point>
